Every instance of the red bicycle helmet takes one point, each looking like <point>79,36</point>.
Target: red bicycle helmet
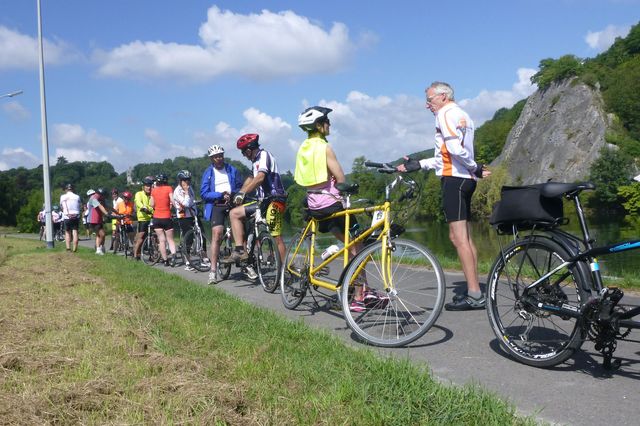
<point>250,140</point>
<point>127,195</point>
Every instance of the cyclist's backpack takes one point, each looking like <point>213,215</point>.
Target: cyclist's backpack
<point>524,207</point>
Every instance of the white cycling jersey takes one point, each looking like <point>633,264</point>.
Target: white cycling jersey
<point>453,154</point>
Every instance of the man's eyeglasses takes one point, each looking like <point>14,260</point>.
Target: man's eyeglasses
<point>431,98</point>
<point>245,151</point>
<point>217,156</point>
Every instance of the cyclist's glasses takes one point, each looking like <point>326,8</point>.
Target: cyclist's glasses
<point>245,151</point>
<point>217,156</point>
<point>431,98</point>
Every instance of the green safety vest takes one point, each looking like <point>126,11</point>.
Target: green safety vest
<point>311,162</point>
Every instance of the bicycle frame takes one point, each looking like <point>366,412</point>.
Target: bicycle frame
<point>589,255</point>
<point>383,225</point>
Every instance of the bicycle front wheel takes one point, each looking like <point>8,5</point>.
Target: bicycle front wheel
<point>267,261</point>
<point>294,276</point>
<point>193,251</point>
<point>151,249</point>
<point>226,247</point>
<point>392,294</point>
<point>530,335</point>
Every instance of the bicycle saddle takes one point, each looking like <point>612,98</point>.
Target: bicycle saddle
<point>346,188</point>
<point>556,189</point>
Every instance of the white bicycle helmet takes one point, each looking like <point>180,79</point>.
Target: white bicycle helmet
<point>215,150</point>
<point>310,116</point>
<point>184,175</point>
<point>90,192</point>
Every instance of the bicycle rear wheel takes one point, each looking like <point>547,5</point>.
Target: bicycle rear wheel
<point>193,251</point>
<point>530,335</point>
<point>294,276</point>
<point>151,249</point>
<point>402,293</point>
<point>226,247</point>
<point>267,261</point>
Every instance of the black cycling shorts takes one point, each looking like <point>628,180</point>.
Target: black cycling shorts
<point>330,225</point>
<point>71,224</point>
<point>166,224</point>
<point>218,214</point>
<point>456,197</point>
<point>143,226</point>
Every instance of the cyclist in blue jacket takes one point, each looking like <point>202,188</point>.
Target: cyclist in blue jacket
<point>219,181</point>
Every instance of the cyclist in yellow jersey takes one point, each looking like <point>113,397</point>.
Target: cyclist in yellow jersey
<point>144,213</point>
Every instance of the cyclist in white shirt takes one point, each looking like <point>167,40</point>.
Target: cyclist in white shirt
<point>71,208</point>
<point>454,162</point>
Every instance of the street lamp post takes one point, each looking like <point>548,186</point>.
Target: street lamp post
<point>45,139</point>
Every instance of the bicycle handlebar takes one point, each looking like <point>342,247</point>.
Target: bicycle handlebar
<point>382,167</point>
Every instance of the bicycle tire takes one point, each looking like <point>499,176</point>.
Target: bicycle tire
<point>267,260</point>
<point>226,247</point>
<point>550,339</point>
<point>294,276</point>
<point>408,308</point>
<point>151,249</point>
<point>128,250</point>
<point>193,252</point>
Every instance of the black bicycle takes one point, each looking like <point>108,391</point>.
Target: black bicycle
<point>122,242</point>
<point>151,247</point>
<point>545,290</point>
<point>193,246</point>
<point>261,246</point>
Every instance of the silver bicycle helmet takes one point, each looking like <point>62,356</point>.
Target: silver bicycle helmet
<point>310,116</point>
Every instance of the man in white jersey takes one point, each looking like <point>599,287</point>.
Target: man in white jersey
<point>454,163</point>
<point>267,183</point>
<point>71,207</point>
<point>219,182</point>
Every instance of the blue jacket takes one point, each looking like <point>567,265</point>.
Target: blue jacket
<point>208,187</point>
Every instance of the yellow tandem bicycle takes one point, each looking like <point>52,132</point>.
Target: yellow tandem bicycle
<point>402,281</point>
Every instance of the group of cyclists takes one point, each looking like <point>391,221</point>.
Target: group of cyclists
<point>160,208</point>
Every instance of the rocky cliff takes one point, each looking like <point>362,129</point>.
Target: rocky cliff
<point>559,134</point>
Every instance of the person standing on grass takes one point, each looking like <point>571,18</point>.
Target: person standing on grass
<point>71,207</point>
<point>454,163</point>
<point>95,217</point>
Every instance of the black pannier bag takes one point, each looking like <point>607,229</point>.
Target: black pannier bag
<point>524,207</point>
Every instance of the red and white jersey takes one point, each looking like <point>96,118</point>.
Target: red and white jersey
<point>453,154</point>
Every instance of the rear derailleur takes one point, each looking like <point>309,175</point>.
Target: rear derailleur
<point>603,315</point>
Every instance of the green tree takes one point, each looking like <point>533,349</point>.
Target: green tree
<point>631,196</point>
<point>609,172</point>
<point>553,70</point>
<point>622,93</point>
<point>27,215</point>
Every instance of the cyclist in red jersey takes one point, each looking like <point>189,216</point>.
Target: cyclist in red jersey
<point>161,202</point>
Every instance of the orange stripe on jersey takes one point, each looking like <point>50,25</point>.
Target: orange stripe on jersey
<point>452,132</point>
<point>447,167</point>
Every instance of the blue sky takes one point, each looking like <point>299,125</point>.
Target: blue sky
<point>141,81</point>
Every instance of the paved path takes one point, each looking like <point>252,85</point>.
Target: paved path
<point>462,349</point>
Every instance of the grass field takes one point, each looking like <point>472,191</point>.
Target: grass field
<point>95,340</point>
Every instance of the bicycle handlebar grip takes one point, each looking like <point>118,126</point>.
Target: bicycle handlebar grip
<point>372,164</point>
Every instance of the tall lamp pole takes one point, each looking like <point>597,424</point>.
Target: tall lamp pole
<point>45,139</point>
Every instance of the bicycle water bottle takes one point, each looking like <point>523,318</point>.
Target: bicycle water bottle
<point>329,251</point>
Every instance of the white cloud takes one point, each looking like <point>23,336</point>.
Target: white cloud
<point>20,51</point>
<point>602,40</point>
<point>16,111</point>
<point>75,143</point>
<point>158,149</point>
<point>18,157</point>
<point>258,46</point>
<point>482,107</point>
